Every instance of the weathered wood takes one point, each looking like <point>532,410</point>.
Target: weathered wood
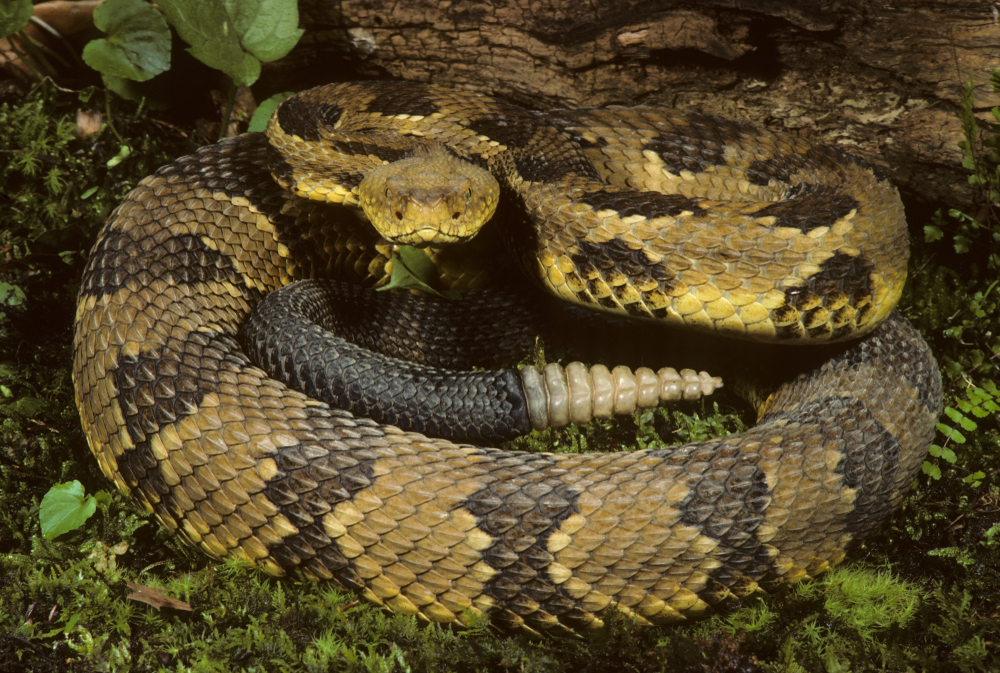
<point>882,80</point>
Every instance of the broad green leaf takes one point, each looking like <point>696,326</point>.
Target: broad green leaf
<point>208,28</point>
<point>264,111</point>
<point>14,15</point>
<point>64,508</point>
<point>138,43</point>
<point>234,36</point>
<point>268,29</point>
<point>932,233</point>
<point>413,270</point>
<point>931,470</point>
<point>12,295</point>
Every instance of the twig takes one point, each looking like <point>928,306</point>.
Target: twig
<point>228,111</point>
<point>107,114</point>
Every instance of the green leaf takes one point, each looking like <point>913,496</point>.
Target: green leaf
<point>123,153</point>
<point>974,479</point>
<point>967,424</point>
<point>207,27</point>
<point>962,244</point>
<point>138,42</point>
<point>264,111</point>
<point>228,34</point>
<point>942,452</point>
<point>268,29</point>
<point>14,15</point>
<point>234,36</point>
<point>413,270</point>
<point>979,412</point>
<point>931,470</point>
<point>951,433</point>
<point>71,624</point>
<point>64,508</point>
<point>11,295</point>
<point>29,407</point>
<point>932,233</point>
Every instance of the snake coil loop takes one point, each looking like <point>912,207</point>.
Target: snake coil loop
<point>659,214</point>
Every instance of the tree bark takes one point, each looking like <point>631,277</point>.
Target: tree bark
<point>881,80</point>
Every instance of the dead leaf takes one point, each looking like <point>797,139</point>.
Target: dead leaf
<point>155,597</point>
<point>88,122</point>
<point>105,557</point>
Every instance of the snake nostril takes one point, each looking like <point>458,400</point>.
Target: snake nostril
<point>399,215</point>
<point>455,215</point>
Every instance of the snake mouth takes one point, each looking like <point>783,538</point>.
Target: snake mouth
<point>427,236</point>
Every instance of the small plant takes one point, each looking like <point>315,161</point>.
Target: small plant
<point>66,507</point>
<point>981,402</point>
<point>228,36</point>
<point>973,360</point>
<point>412,269</point>
<point>981,157</point>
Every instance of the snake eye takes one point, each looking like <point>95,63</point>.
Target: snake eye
<point>388,194</point>
<point>468,193</point>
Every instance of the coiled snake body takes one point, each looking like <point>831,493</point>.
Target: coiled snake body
<point>665,215</point>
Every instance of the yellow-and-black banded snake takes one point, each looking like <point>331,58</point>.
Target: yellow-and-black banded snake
<point>668,215</point>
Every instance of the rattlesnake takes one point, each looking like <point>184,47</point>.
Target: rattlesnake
<point>663,215</point>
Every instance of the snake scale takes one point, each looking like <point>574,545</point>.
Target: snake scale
<point>665,215</point>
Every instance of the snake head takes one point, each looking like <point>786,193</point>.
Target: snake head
<point>432,198</point>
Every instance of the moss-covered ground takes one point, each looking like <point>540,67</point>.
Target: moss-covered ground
<point>921,596</point>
